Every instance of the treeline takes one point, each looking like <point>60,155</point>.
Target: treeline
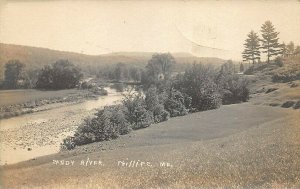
<point>164,94</point>
<point>267,44</point>
<point>120,72</point>
<point>60,75</point>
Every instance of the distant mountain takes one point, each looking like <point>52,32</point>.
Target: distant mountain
<point>37,57</point>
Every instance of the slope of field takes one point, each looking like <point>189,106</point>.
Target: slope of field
<point>265,90</point>
<point>236,146</point>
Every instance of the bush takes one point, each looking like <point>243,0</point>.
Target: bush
<point>286,73</point>
<point>108,124</point>
<point>160,114</point>
<point>249,71</point>
<point>198,83</point>
<point>156,106</point>
<point>136,111</point>
<point>175,104</point>
<point>279,61</point>
<point>68,144</point>
<point>234,89</point>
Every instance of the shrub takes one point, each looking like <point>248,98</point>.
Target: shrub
<point>279,61</point>
<point>155,106</point>
<point>259,68</point>
<point>108,124</point>
<point>249,71</point>
<point>198,83</point>
<point>286,73</point>
<point>160,114</point>
<point>234,89</point>
<point>151,98</point>
<point>136,113</point>
<point>68,144</point>
<point>175,104</point>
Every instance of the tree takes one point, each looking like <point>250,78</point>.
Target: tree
<point>13,74</point>
<point>290,48</point>
<point>118,72</point>
<point>31,77</point>
<point>1,72</point>
<point>158,69</point>
<point>283,50</point>
<point>161,63</point>
<point>297,51</point>
<point>242,69</point>
<point>61,75</point>
<point>135,74</point>
<point>269,40</point>
<point>251,52</point>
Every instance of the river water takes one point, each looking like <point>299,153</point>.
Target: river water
<point>32,135</point>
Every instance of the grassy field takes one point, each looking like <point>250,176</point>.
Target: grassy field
<point>10,97</point>
<point>236,146</point>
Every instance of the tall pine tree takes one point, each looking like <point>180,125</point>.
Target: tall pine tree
<point>252,46</point>
<point>269,40</point>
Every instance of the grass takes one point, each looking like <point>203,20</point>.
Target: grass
<point>11,97</point>
<point>252,151</point>
<point>274,85</point>
<point>18,102</point>
<point>289,71</point>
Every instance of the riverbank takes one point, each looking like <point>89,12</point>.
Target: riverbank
<point>19,102</point>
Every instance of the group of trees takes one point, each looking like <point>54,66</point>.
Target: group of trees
<point>121,72</point>
<point>60,75</point>
<point>267,44</point>
<point>14,74</point>
<point>290,49</point>
<point>199,88</point>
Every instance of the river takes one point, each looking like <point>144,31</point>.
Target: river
<point>32,135</point>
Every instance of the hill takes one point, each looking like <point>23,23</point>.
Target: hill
<point>35,57</point>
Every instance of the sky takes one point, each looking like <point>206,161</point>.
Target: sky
<point>202,28</point>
